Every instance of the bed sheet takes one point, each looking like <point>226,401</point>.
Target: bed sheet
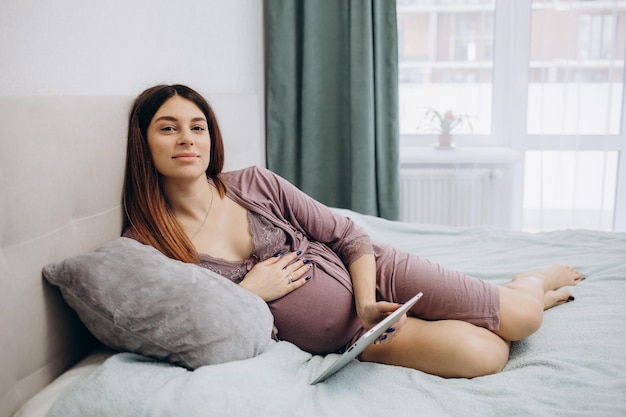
<point>575,365</point>
<point>40,404</point>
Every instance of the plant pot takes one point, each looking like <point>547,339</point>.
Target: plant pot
<point>445,141</point>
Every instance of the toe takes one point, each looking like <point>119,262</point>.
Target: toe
<point>578,276</point>
<point>555,298</point>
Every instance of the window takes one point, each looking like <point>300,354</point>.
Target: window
<point>445,50</point>
<point>575,79</point>
<point>543,77</point>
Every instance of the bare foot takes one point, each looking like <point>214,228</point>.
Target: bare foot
<point>554,277</point>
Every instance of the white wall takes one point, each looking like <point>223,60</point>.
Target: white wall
<point>124,46</point>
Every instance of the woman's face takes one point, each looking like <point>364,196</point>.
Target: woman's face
<point>179,140</point>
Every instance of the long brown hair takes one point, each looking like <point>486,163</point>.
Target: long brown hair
<point>146,208</point>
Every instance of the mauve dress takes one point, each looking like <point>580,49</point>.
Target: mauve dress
<point>320,316</point>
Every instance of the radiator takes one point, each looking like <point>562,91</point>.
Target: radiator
<point>455,197</point>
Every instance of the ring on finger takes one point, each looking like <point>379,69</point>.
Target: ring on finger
<point>289,278</point>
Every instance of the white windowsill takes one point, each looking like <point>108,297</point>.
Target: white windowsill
<point>410,155</point>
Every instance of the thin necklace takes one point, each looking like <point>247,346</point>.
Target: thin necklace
<point>206,216</point>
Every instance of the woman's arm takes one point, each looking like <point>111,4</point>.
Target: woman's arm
<point>285,204</point>
<point>363,273</point>
<point>280,198</point>
<point>349,241</point>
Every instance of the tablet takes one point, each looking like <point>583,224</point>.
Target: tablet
<point>364,341</point>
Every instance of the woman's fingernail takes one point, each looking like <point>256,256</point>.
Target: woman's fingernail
<point>305,261</point>
<point>299,253</point>
<point>391,330</point>
<point>571,298</point>
<point>383,337</point>
<point>277,254</point>
<point>308,278</point>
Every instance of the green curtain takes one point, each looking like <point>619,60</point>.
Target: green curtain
<point>332,101</point>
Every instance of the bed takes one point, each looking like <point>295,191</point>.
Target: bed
<point>60,198</point>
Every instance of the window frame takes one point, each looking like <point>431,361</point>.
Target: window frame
<point>509,106</point>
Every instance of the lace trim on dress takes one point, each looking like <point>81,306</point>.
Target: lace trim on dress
<point>234,274</point>
<point>267,239</point>
<point>357,247</point>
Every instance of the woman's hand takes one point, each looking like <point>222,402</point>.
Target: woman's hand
<point>372,314</point>
<point>277,276</point>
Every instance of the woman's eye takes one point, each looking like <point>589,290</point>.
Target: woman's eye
<point>167,128</point>
<point>199,128</point>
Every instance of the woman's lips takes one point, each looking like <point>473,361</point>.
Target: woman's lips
<point>186,156</point>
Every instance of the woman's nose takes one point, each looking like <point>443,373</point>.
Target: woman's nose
<point>185,138</point>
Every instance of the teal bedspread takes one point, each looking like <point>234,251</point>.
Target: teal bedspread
<point>575,365</point>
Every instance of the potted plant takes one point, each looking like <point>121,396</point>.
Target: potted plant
<point>445,123</point>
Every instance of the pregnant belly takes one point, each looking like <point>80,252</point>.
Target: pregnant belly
<point>318,317</point>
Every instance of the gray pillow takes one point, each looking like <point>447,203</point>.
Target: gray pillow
<point>133,298</point>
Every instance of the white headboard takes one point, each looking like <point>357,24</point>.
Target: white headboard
<point>61,171</point>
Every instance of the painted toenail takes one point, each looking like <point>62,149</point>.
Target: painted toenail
<point>571,298</point>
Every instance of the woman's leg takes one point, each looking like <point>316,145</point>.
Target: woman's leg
<point>447,348</point>
<point>523,300</point>
<point>452,348</point>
